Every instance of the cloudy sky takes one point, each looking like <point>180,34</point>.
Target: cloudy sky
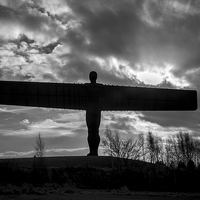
<point>152,43</point>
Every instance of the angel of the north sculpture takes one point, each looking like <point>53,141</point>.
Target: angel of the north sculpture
<point>94,98</point>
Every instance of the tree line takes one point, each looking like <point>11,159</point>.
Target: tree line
<point>171,164</point>
<point>174,151</point>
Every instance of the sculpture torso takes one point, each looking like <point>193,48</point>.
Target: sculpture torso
<point>93,116</point>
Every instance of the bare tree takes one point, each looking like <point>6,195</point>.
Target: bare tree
<point>154,147</point>
<point>151,146</point>
<point>112,143</point>
<point>171,157</point>
<point>39,146</point>
<point>116,146</point>
<point>182,148</point>
<point>143,152</point>
<point>131,148</point>
<point>139,150</point>
<point>186,147</point>
<point>196,152</point>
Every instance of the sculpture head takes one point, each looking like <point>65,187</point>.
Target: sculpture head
<point>93,77</point>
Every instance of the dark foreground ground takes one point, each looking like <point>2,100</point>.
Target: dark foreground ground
<point>74,194</point>
<point>99,178</point>
<point>72,161</point>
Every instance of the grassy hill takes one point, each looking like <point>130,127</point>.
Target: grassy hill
<point>75,161</point>
<point>100,172</point>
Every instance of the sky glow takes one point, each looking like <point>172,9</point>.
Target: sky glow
<point>148,43</point>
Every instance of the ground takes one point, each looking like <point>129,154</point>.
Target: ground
<point>68,191</point>
<point>61,193</point>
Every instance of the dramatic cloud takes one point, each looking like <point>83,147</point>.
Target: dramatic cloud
<point>130,42</point>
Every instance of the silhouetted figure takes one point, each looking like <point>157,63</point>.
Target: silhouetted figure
<point>93,114</point>
<point>94,98</point>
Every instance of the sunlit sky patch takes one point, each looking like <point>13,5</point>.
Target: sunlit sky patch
<point>150,43</point>
<point>150,78</point>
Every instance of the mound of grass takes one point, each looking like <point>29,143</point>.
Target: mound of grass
<point>97,173</point>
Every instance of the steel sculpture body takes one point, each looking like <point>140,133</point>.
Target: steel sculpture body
<point>94,98</point>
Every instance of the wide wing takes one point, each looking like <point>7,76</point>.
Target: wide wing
<point>119,98</point>
<point>111,98</point>
<point>40,94</point>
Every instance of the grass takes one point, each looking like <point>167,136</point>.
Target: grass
<point>74,161</point>
<point>101,172</point>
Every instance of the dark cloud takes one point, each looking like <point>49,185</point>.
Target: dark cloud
<point>187,120</point>
<point>23,54</point>
<point>31,45</point>
<point>6,14</point>
<point>117,29</point>
<point>176,41</point>
<point>120,123</point>
<point>31,21</point>
<point>48,48</point>
<point>23,38</point>
<point>109,32</point>
<point>78,68</point>
<point>30,17</point>
<point>108,77</point>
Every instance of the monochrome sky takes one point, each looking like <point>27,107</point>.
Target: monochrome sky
<point>151,43</point>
